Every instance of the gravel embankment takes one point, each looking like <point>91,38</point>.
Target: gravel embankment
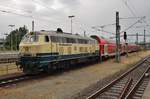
<point>67,84</point>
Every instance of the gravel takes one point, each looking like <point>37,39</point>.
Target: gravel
<point>69,84</point>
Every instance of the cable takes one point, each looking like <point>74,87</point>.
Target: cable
<point>106,31</point>
<point>133,11</point>
<point>103,30</point>
<point>131,18</point>
<point>5,11</point>
<point>125,2</point>
<point>97,28</point>
<point>29,13</point>
<point>23,15</point>
<point>133,7</point>
<point>17,9</point>
<point>107,25</point>
<point>133,24</point>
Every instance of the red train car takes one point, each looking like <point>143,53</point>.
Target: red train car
<point>108,48</point>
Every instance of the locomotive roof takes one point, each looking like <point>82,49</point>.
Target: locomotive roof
<point>64,34</point>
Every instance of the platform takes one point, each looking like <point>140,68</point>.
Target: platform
<point>147,92</point>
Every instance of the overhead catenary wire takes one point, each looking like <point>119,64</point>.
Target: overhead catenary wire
<point>136,12</point>
<point>102,26</point>
<point>126,3</point>
<point>11,12</point>
<point>26,13</point>
<point>130,18</point>
<point>23,15</point>
<point>134,9</point>
<point>16,9</point>
<point>133,24</point>
<point>103,30</point>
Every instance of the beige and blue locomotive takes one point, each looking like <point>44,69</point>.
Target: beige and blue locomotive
<point>49,50</point>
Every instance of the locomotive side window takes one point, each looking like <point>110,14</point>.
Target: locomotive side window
<point>82,41</point>
<point>54,39</point>
<point>46,39</point>
<point>70,40</point>
<point>64,40</point>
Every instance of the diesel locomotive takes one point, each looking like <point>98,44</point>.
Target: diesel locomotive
<point>47,50</point>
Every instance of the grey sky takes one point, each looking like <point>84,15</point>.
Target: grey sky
<point>50,14</point>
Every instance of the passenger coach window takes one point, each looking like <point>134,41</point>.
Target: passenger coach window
<point>46,39</point>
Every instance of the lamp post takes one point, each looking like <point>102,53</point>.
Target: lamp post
<point>71,16</point>
<point>11,42</point>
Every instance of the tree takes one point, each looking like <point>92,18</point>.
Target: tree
<point>16,36</point>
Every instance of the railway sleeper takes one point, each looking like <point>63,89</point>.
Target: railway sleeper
<point>114,88</point>
<point>111,94</point>
<point>115,91</point>
<point>106,97</point>
<point>140,91</point>
<point>135,97</point>
<point>138,94</point>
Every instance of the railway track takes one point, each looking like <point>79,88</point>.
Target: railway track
<point>10,81</point>
<point>130,85</point>
<point>13,80</point>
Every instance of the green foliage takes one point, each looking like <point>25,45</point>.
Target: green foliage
<point>14,38</point>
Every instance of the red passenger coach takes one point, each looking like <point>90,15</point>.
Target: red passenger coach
<point>108,48</point>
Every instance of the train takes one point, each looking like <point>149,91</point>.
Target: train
<point>44,51</point>
<point>108,47</point>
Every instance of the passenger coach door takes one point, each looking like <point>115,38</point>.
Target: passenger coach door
<point>105,49</point>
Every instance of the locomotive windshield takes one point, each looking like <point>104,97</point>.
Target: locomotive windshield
<point>30,38</point>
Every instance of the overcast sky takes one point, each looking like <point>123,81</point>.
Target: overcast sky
<point>51,14</point>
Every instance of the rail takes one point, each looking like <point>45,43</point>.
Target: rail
<point>126,86</point>
<point>132,91</point>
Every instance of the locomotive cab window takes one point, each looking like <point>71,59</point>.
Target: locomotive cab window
<point>46,39</point>
<point>30,38</point>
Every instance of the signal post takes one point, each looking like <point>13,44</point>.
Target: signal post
<point>118,46</point>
